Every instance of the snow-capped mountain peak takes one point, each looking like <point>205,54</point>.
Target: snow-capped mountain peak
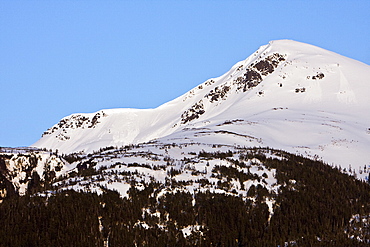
<point>287,95</point>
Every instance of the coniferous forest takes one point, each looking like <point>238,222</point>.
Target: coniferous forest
<point>314,207</point>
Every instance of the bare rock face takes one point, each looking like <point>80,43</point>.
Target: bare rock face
<point>193,113</point>
<point>75,122</point>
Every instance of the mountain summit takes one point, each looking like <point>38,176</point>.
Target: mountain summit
<point>220,165</point>
<point>287,95</point>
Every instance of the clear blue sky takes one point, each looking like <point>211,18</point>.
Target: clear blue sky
<point>64,57</point>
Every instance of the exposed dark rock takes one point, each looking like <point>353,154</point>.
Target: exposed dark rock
<point>218,93</point>
<point>230,122</point>
<point>319,76</point>
<point>74,122</point>
<point>193,113</point>
<point>94,120</point>
<point>252,79</point>
<point>254,73</point>
<point>264,67</point>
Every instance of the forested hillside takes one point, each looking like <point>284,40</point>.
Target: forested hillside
<point>315,205</point>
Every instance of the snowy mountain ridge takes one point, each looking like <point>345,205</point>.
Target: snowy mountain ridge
<point>224,164</point>
<point>287,95</point>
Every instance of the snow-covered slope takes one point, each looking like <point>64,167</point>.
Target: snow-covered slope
<point>287,95</point>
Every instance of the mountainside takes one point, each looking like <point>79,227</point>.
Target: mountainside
<point>287,95</point>
<point>158,194</point>
<point>269,154</point>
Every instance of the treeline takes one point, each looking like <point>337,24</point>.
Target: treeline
<point>313,208</point>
